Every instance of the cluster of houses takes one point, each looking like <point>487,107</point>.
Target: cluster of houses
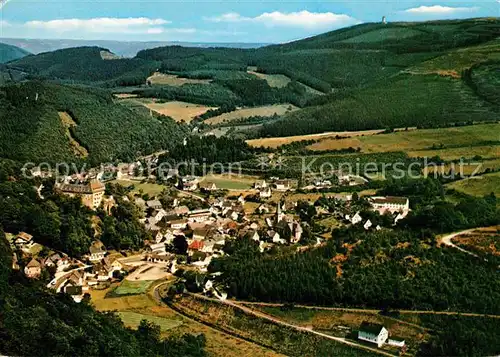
<point>207,230</point>
<point>70,275</point>
<point>398,207</point>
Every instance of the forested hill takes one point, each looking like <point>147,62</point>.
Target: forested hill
<point>10,53</point>
<point>369,76</point>
<point>87,64</point>
<point>43,122</point>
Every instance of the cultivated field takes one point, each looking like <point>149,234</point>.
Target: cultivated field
<point>278,141</point>
<point>478,186</point>
<point>179,111</point>
<point>125,95</point>
<point>173,80</point>
<point>448,143</point>
<point>264,111</point>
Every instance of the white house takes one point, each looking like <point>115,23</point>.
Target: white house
<point>179,224</point>
<point>367,225</point>
<point>391,204</point>
<point>97,251</point>
<point>356,218</point>
<point>373,333</point>
<point>159,214</point>
<point>200,216</point>
<point>283,185</point>
<point>260,184</point>
<point>265,193</point>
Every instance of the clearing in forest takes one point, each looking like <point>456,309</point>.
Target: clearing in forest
<point>179,111</point>
<point>274,80</point>
<point>68,123</point>
<point>264,111</point>
<point>278,141</point>
<point>478,185</point>
<point>174,80</point>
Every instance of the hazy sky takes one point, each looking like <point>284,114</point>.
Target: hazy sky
<point>215,21</point>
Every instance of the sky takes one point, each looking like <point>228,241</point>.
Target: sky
<point>255,21</point>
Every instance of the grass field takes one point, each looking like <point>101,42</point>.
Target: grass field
<point>135,307</point>
<point>274,80</point>
<point>152,189</point>
<point>133,319</point>
<point>454,62</point>
<point>179,111</point>
<point>478,186</point>
<point>265,111</point>
<point>278,141</point>
<point>173,80</point>
<point>226,182</point>
<point>128,287</point>
<point>468,168</point>
<point>456,142</point>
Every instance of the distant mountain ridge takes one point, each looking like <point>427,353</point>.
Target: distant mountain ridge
<point>10,52</point>
<point>121,48</point>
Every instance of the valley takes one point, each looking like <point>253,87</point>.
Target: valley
<point>335,195</point>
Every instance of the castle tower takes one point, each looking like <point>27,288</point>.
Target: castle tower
<point>384,20</point>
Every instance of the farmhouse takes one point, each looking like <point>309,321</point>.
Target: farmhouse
<point>265,193</point>
<point>283,185</point>
<point>200,215</point>
<point>154,204</point>
<point>91,193</point>
<point>33,269</point>
<point>373,333</point>
<point>24,241</point>
<point>97,251</point>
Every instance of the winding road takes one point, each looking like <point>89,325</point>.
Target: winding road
<point>446,240</point>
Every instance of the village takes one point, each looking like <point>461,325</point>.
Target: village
<point>190,238</point>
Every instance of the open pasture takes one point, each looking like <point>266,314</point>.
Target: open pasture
<point>173,80</point>
<point>479,185</point>
<point>264,111</point>
<point>179,111</point>
<point>448,143</point>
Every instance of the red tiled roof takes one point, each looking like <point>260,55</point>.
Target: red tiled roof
<point>196,245</point>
